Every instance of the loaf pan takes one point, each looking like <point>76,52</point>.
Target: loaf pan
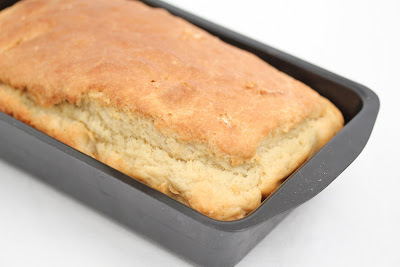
<point>197,238</point>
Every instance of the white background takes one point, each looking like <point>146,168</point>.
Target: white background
<point>354,222</point>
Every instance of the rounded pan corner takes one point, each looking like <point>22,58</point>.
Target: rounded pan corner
<point>326,165</point>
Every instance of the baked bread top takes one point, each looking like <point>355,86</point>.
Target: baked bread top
<point>145,60</point>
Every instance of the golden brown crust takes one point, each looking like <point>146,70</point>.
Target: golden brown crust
<point>148,61</point>
<point>157,98</point>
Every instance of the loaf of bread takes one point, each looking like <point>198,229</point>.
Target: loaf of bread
<point>159,99</point>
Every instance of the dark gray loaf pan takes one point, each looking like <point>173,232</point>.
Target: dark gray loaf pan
<point>181,229</point>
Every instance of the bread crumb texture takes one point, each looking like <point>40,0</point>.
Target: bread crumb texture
<point>185,171</point>
<point>159,99</point>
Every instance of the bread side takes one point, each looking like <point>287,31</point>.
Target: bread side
<point>159,99</point>
<point>185,171</point>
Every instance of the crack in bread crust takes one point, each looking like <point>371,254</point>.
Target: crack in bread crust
<point>188,172</point>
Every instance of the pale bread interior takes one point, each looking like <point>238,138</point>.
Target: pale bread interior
<point>185,171</point>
